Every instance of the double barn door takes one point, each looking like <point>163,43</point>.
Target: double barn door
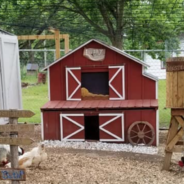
<point>111,127</point>
<point>116,83</point>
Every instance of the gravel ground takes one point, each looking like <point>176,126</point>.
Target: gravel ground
<point>73,166</point>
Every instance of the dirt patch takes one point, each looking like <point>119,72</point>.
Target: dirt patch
<point>72,166</point>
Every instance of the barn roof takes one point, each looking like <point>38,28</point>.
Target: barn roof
<point>101,104</point>
<point>105,45</point>
<point>5,32</point>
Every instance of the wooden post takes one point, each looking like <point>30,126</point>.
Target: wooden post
<point>57,36</point>
<point>14,173</point>
<point>175,134</point>
<point>14,150</point>
<point>57,43</point>
<point>66,44</point>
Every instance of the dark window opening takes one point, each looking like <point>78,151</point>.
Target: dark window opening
<point>91,128</point>
<point>96,82</point>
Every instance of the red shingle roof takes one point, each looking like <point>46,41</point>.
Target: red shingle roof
<point>101,104</point>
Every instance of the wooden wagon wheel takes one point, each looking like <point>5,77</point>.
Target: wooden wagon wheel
<point>141,132</point>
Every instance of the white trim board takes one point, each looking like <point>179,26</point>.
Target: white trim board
<point>42,126</point>
<point>48,78</point>
<point>157,127</point>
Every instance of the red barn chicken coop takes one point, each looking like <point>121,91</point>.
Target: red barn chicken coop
<point>98,92</point>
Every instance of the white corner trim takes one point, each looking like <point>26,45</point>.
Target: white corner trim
<point>156,88</point>
<point>121,96</point>
<point>117,115</point>
<point>48,78</point>
<point>81,127</point>
<point>157,127</point>
<point>69,71</point>
<point>150,76</point>
<point>42,127</point>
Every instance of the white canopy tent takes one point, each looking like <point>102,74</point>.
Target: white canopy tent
<point>10,82</point>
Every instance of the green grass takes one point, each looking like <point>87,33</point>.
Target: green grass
<point>33,98</point>
<point>31,79</point>
<point>164,114</point>
<point>36,96</point>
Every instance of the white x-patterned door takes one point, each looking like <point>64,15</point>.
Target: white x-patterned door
<point>116,83</point>
<point>72,127</point>
<point>73,83</point>
<point>111,127</point>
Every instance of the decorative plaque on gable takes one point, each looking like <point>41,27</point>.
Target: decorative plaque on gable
<point>94,54</point>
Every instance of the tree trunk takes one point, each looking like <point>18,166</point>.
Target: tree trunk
<point>117,41</point>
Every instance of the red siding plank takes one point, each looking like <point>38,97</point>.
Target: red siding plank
<point>149,88</point>
<point>55,82</point>
<point>51,125</point>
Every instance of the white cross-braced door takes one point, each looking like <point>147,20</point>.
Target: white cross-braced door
<point>111,127</point>
<point>73,83</point>
<point>72,127</point>
<point>116,83</point>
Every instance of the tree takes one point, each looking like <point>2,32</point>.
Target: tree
<point>128,24</point>
<point>142,23</point>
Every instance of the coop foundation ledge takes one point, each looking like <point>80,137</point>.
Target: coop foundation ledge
<point>103,146</point>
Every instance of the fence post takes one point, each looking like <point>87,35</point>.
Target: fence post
<point>14,149</point>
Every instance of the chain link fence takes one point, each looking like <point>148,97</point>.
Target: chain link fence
<point>155,58</point>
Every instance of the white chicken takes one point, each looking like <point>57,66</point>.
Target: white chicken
<point>40,156</point>
<point>5,153</point>
<point>32,158</point>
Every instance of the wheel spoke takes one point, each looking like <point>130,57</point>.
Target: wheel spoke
<point>138,128</point>
<point>147,137</point>
<point>144,127</point>
<point>133,131</point>
<point>148,131</point>
<point>134,136</point>
<point>141,132</point>
<point>144,141</point>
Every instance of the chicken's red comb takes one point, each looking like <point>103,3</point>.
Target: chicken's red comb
<point>4,162</point>
<point>180,163</point>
